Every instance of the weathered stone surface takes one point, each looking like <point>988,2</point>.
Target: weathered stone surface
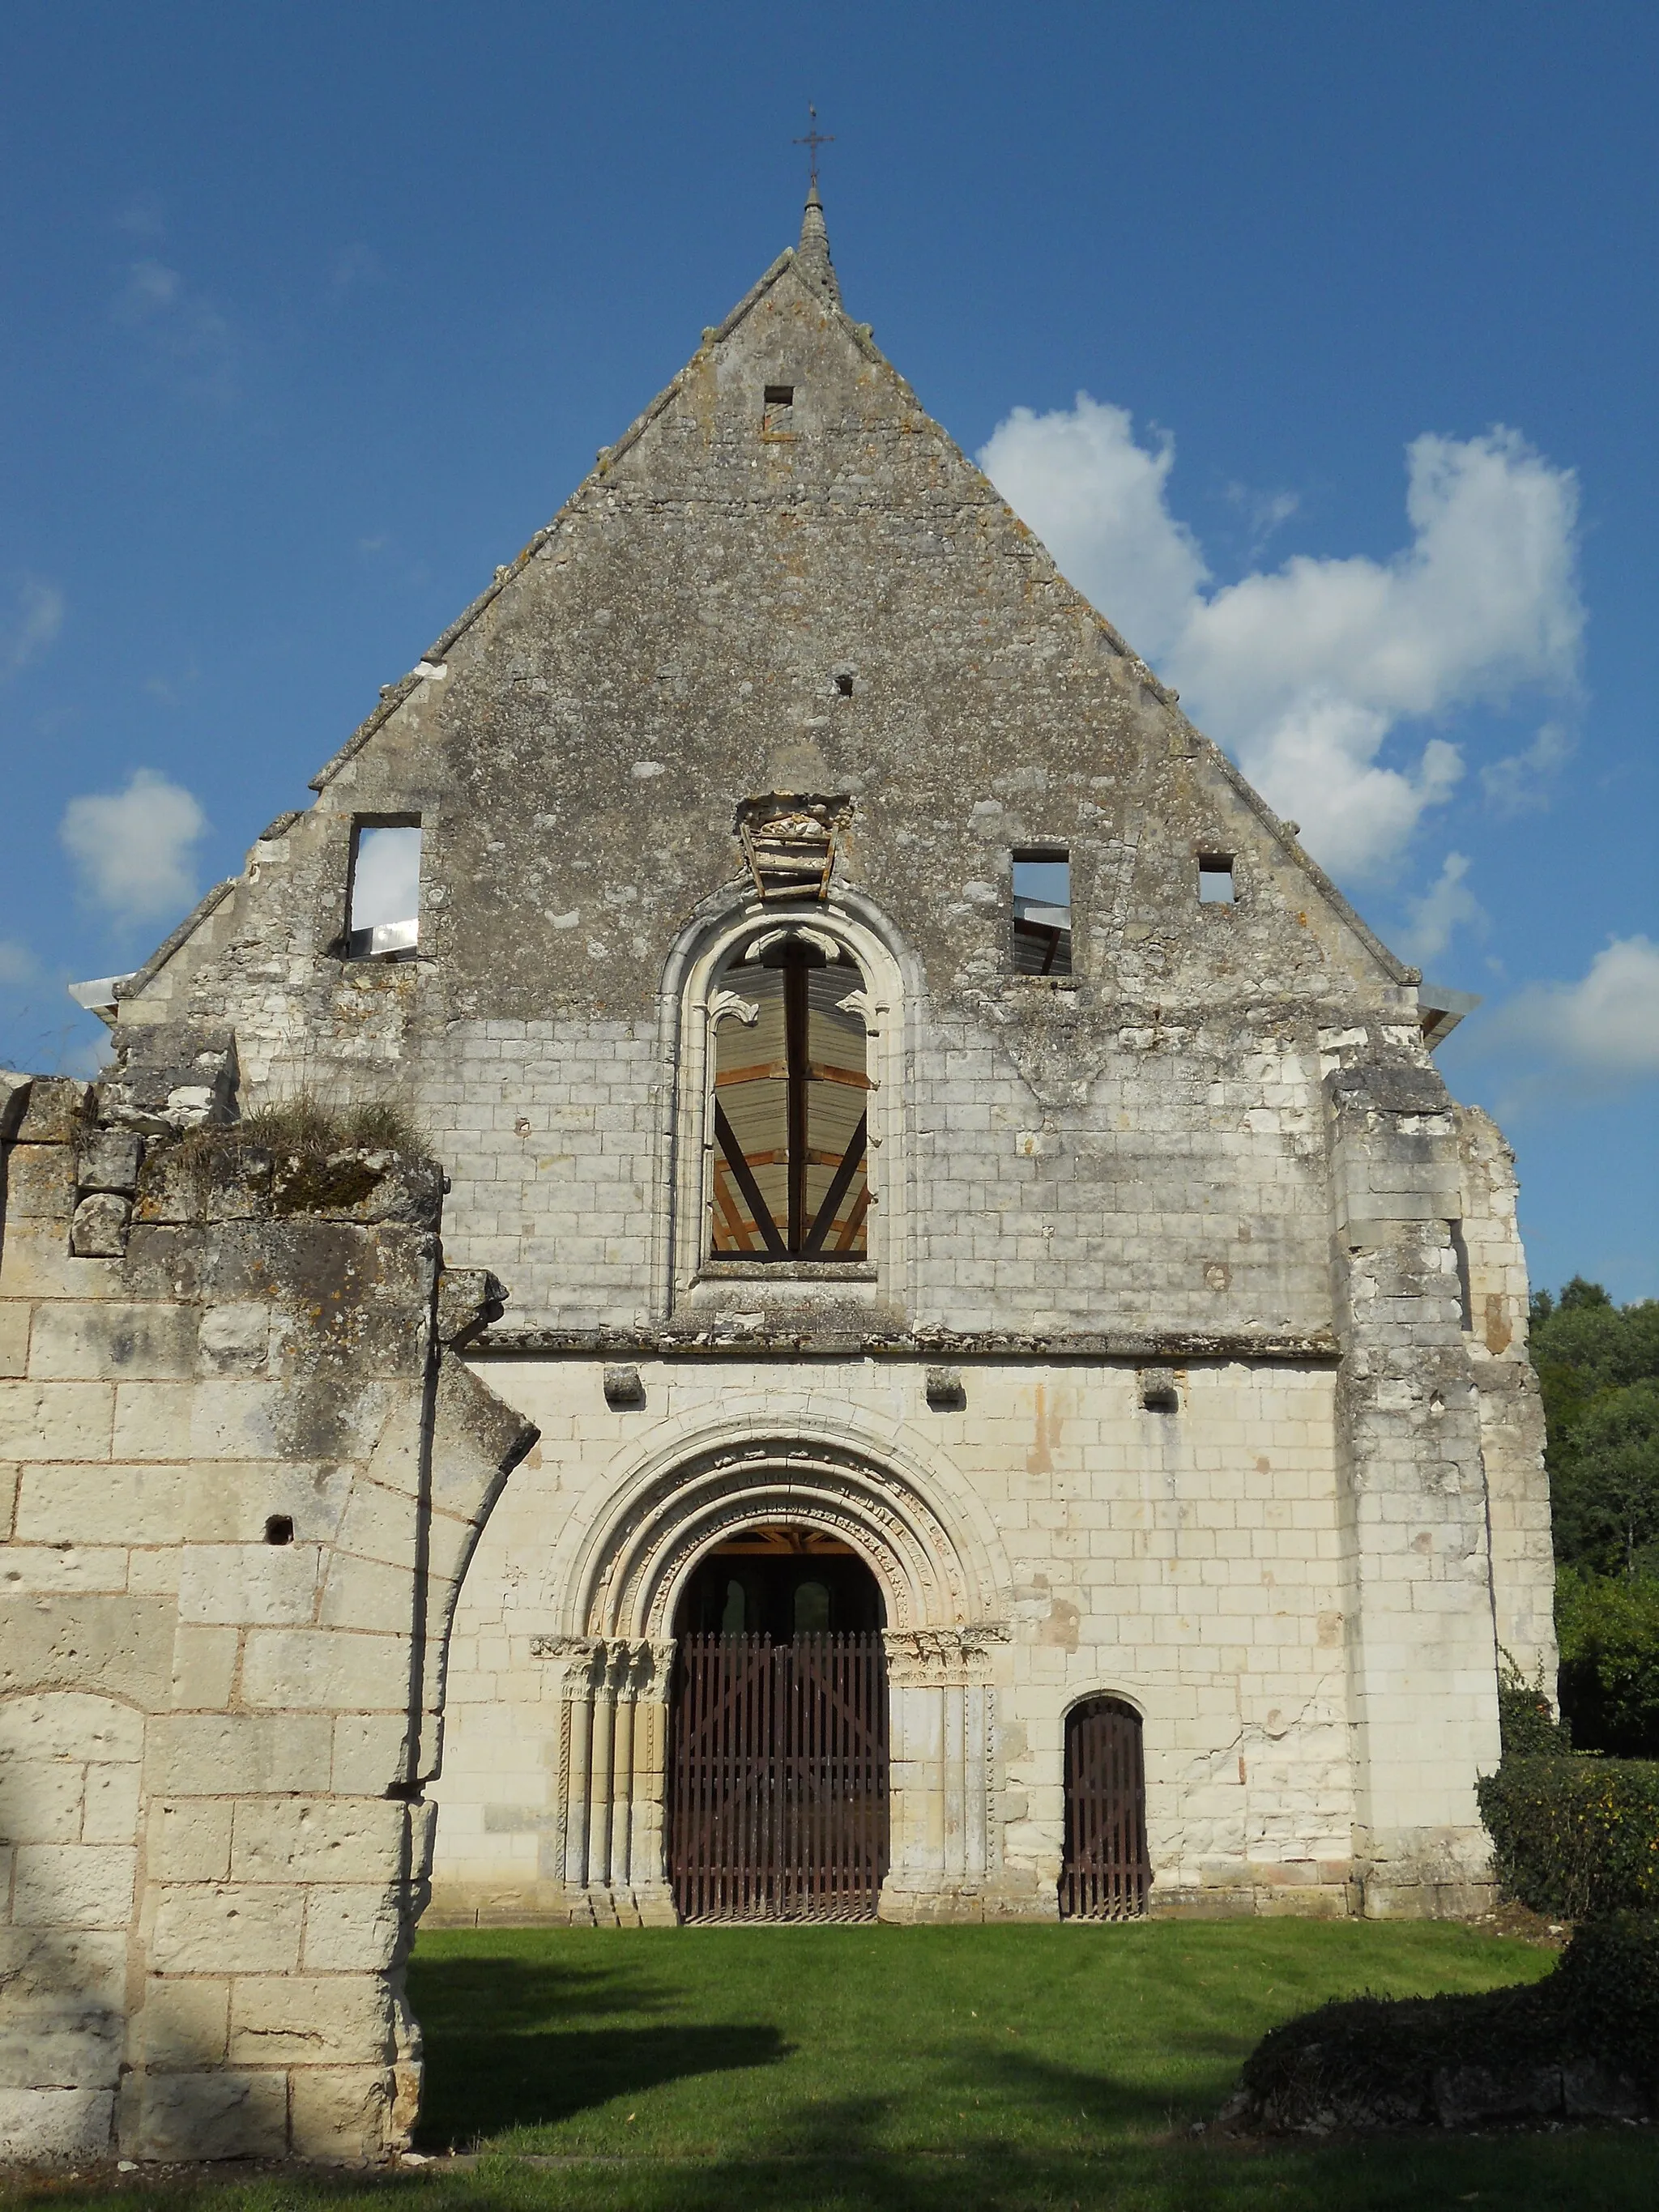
<point>219,2114</point>
<point>310,2020</point>
<point>343,2115</point>
<point>99,1228</point>
<point>227,1928</point>
<point>100,1338</point>
<point>39,1183</point>
<point>109,1160</point>
<point>54,1113</point>
<point>170,1076</point>
<point>184,1427</point>
<point>46,2126</point>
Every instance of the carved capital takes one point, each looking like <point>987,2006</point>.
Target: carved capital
<point>613,1668</point>
<point>942,1657</point>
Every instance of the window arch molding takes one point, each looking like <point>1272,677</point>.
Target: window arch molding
<point>697,997</point>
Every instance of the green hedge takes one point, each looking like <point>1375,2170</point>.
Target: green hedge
<point>1575,1837</point>
<point>1584,2042</point>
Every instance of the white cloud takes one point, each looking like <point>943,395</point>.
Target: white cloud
<point>142,217</point>
<point>189,342</point>
<point>17,963</point>
<point>1265,512</point>
<point>386,883</point>
<point>132,849</point>
<point>1447,906</point>
<point>1517,782</point>
<point>1306,673</point>
<point>1097,500</point>
<point>1603,1029</point>
<point>33,626</point>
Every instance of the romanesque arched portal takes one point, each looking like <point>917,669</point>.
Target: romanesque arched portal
<point>625,1575</point>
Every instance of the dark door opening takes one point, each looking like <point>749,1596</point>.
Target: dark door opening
<point>778,1802</point>
<point>1105,1874</point>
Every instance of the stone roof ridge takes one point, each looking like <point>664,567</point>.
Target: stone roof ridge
<point>812,254</point>
<point>820,280</point>
<point>136,985</point>
<point>1289,836</point>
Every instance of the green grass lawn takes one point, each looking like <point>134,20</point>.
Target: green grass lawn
<point>721,2042</point>
<point>876,2070</point>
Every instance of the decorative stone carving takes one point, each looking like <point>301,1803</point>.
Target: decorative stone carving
<point>791,840</point>
<point>731,1006</point>
<point>941,1655</point>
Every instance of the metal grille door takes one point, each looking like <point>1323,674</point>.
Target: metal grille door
<point>779,1807</point>
<point>1106,1873</point>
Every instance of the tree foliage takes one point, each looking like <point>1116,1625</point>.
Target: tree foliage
<point>1598,1364</point>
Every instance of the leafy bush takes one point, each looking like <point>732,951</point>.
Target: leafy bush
<point>1609,1632</point>
<point>1573,1836</point>
<point>1585,2040</point>
<point>1528,1727</point>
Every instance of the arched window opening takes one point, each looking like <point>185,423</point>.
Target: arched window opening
<point>791,1176</point>
<point>1105,1874</point>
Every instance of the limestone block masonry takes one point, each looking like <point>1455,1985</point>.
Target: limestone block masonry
<point>240,1478</point>
<point>1124,1290</point>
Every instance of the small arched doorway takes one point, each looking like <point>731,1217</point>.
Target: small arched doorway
<point>1105,1874</point>
<point>778,1747</point>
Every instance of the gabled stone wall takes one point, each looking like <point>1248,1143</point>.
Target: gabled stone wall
<point>240,1480</point>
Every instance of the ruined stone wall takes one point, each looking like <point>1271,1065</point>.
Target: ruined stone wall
<point>1511,1407</point>
<point>238,1489</point>
<point>1418,1593</point>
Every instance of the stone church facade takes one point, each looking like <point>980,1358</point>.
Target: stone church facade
<point>901,1095</point>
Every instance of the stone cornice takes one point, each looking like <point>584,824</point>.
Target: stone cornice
<point>1165,1347</point>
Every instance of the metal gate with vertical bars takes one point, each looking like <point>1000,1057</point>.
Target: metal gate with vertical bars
<point>778,1808</point>
<point>1106,1873</point>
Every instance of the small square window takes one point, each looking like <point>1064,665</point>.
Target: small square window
<point>778,412</point>
<point>383,903</point>
<point>1215,880</point>
<point>1042,913</point>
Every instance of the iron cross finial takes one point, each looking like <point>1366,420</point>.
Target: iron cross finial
<point>812,141</point>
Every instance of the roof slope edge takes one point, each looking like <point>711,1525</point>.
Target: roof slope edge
<point>394,695</point>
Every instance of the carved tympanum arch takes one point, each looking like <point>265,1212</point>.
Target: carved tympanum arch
<point>635,1568</point>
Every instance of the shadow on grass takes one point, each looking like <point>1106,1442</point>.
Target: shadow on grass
<point>453,1994</point>
<point>1572,2172</point>
<point>479,2086</point>
<point>539,2061</point>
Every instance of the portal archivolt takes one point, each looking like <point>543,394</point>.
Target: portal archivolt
<point>636,1567</point>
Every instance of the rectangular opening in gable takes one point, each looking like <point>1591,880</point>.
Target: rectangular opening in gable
<point>1042,913</point>
<point>1215,880</point>
<point>778,409</point>
<point>383,903</point>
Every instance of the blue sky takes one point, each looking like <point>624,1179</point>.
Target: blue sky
<point>310,315</point>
